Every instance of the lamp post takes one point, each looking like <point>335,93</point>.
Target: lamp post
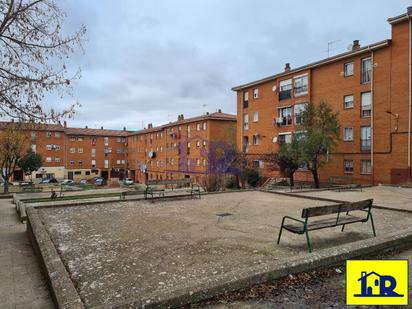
<point>397,119</point>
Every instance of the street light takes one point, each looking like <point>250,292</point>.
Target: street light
<point>396,117</point>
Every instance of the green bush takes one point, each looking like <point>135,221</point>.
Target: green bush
<point>231,183</point>
<point>252,177</point>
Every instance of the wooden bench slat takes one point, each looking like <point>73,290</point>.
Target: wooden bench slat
<point>332,209</point>
<point>323,223</point>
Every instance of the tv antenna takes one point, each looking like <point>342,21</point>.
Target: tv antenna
<point>330,44</point>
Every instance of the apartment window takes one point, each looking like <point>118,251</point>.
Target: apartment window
<point>93,163</point>
<point>197,162</point>
<point>366,167</point>
<point>204,162</point>
<point>124,162</point>
<point>93,141</point>
<point>71,162</point>
<point>255,163</point>
<point>348,101</point>
<point>80,150</point>
<point>255,116</point>
<point>118,161</point>
<point>300,85</point>
<point>348,166</point>
<point>245,99</point>
<point>348,69</point>
<point>48,134</point>
<point>285,115</point>
<point>256,93</point>
<point>57,160</point>
<point>285,89</point>
<point>256,139</point>
<point>80,139</point>
<point>33,148</point>
<point>198,126</point>
<point>106,141</point>
<point>197,143</point>
<point>366,104</point>
<point>245,121</point>
<point>80,162</point>
<point>119,139</point>
<point>366,70</point>
<point>33,135</point>
<point>57,134</point>
<point>56,147</point>
<point>48,147</point>
<point>188,162</point>
<point>106,163</point>
<point>72,138</point>
<point>188,130</point>
<point>245,144</point>
<point>72,150</point>
<point>365,138</point>
<point>48,159</point>
<point>204,143</point>
<point>298,109</point>
<point>348,134</point>
<point>285,138</point>
<point>93,152</point>
<point>204,125</point>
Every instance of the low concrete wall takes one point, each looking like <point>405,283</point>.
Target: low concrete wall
<point>61,286</point>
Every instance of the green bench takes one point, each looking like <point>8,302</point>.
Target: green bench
<point>152,186</point>
<point>136,192</point>
<point>343,218</point>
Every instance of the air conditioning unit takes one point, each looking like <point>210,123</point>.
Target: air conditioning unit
<point>279,120</point>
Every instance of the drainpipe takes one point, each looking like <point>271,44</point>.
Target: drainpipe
<point>372,118</point>
<point>409,94</point>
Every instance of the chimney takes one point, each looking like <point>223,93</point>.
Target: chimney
<point>182,117</point>
<point>409,9</point>
<point>355,45</point>
<point>219,110</point>
<point>86,127</point>
<point>65,124</point>
<point>101,128</point>
<point>207,113</point>
<point>287,67</point>
<point>179,118</point>
<point>124,128</point>
<point>12,120</point>
<point>150,125</point>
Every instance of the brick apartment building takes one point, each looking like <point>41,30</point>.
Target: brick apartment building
<point>186,148</point>
<point>369,86</point>
<point>176,150</point>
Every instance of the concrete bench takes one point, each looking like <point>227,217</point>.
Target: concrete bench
<point>343,218</point>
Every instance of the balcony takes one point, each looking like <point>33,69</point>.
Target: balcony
<point>365,145</point>
<point>285,94</point>
<point>246,125</point>
<point>366,76</point>
<point>245,104</point>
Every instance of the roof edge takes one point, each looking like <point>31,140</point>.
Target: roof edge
<point>374,46</point>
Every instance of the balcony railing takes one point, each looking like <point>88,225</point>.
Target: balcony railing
<point>301,90</point>
<point>365,144</point>
<point>366,76</point>
<point>285,94</point>
<point>366,110</point>
<point>246,125</point>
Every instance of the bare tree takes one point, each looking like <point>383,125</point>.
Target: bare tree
<point>32,55</point>
<point>14,144</point>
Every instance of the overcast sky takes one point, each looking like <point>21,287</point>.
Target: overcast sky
<point>148,61</point>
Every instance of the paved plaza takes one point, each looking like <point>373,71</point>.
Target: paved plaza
<point>117,253</point>
<point>21,282</point>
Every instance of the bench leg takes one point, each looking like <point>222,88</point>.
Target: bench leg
<point>280,233</point>
<point>373,225</point>
<point>308,241</point>
<point>343,227</point>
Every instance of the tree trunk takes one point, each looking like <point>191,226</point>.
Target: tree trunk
<point>292,180</point>
<point>316,177</point>
<point>6,185</point>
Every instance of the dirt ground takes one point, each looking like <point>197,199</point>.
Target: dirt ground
<point>139,250</point>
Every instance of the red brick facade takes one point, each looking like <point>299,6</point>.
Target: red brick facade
<point>368,86</point>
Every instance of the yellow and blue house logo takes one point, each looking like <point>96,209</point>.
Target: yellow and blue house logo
<point>377,282</point>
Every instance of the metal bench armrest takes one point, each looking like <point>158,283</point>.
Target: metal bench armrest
<point>294,219</point>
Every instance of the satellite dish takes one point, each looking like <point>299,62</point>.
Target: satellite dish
<point>274,88</point>
<point>349,47</point>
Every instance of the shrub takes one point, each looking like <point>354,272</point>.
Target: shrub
<point>252,177</point>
